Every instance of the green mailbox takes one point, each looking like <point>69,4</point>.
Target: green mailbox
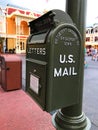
<point>53,61</point>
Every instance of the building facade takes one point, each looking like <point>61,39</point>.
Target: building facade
<point>2,29</point>
<point>14,28</point>
<point>92,36</point>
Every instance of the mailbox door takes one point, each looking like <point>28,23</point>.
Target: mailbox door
<point>36,81</point>
<point>64,62</point>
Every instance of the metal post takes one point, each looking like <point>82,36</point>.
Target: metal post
<point>77,11</point>
<point>72,117</point>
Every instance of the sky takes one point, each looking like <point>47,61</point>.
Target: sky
<point>40,5</point>
<point>92,12</point>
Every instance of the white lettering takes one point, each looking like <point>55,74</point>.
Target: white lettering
<point>66,59</point>
<point>73,71</point>
<point>67,71</point>
<point>57,73</point>
<point>38,51</point>
<point>44,51</point>
<point>70,58</point>
<point>62,59</point>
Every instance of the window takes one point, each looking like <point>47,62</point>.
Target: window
<point>87,39</point>
<point>96,38</point>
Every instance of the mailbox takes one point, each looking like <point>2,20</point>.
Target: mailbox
<point>52,61</point>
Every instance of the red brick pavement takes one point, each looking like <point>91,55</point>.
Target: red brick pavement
<point>19,112</point>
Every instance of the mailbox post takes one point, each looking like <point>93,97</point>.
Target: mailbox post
<point>72,117</point>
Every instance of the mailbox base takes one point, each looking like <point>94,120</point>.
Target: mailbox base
<point>63,122</point>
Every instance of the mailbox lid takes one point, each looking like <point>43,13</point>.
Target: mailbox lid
<point>49,20</point>
<point>64,66</point>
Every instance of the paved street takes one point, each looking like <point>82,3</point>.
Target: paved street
<point>90,102</point>
<point>90,95</point>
